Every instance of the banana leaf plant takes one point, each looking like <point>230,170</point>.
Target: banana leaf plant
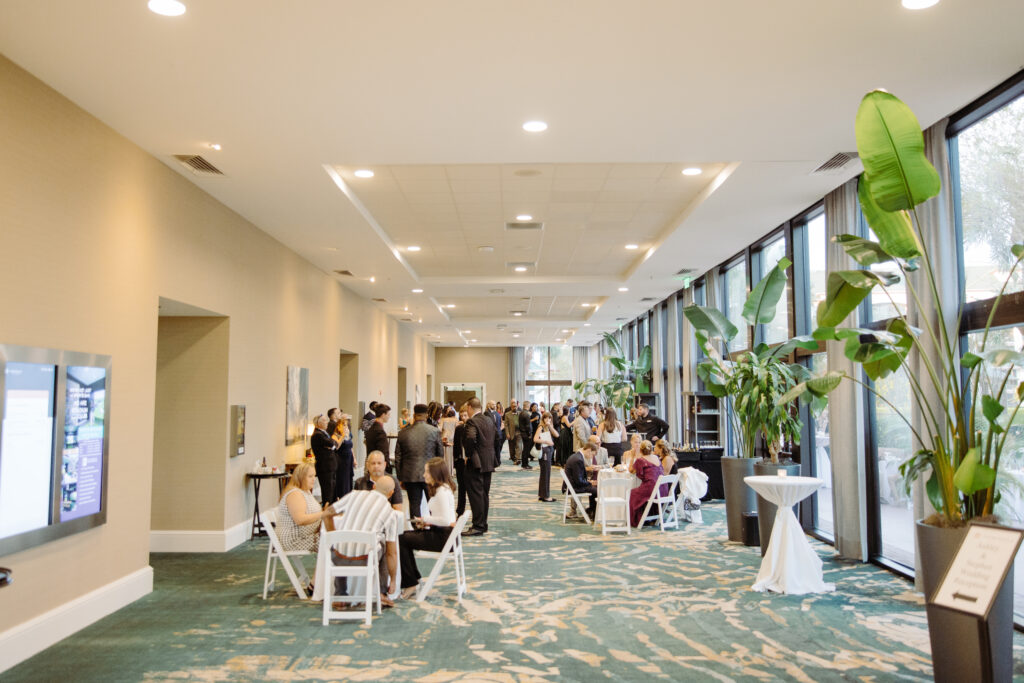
<point>756,381</point>
<point>628,378</point>
<point>963,423</point>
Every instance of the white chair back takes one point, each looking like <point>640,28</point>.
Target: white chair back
<point>613,496</point>
<point>667,515</point>
<point>452,548</point>
<point>570,492</point>
<point>358,543</point>
<point>275,554</point>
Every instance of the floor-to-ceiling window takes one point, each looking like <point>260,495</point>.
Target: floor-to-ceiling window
<point>766,258</point>
<point>548,374</point>
<point>987,164</point>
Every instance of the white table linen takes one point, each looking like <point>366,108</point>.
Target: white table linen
<point>790,565</point>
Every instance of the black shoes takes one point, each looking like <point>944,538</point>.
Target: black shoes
<point>546,500</point>
<point>473,532</point>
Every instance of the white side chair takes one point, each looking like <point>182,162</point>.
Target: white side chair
<point>668,517</point>
<point>363,543</point>
<point>570,492</point>
<point>275,553</point>
<point>613,496</point>
<point>452,548</point>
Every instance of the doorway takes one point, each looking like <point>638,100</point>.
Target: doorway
<point>403,400</point>
<point>348,400</point>
<point>460,393</point>
<point>190,429</point>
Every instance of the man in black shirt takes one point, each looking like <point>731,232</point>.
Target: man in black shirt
<point>576,472</point>
<point>652,427</point>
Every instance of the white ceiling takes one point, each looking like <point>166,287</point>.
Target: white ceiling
<point>432,96</point>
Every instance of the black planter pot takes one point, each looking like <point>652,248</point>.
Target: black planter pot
<point>765,510</point>
<point>739,497</point>
<point>950,633</point>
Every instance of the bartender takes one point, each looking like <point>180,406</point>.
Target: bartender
<point>651,426</point>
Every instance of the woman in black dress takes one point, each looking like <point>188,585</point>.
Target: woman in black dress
<point>346,461</point>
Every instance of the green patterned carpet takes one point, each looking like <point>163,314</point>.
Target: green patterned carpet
<point>547,602</point>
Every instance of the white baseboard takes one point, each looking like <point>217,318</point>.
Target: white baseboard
<point>35,635</point>
<point>185,541</point>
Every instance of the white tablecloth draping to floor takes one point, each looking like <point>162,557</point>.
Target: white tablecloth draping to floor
<point>790,565</point>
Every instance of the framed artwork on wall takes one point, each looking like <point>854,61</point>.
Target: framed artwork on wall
<point>296,405</point>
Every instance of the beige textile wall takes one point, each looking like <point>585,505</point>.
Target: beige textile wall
<point>481,364</point>
<point>190,432</point>
<point>94,231</point>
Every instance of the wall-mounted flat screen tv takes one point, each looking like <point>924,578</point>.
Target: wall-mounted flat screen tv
<point>54,438</point>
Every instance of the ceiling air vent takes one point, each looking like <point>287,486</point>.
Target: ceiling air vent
<point>529,225</point>
<point>379,300</point>
<point>346,273</point>
<point>835,164</point>
<point>197,164</point>
<point>622,318</point>
<point>649,298</point>
<point>406,320</point>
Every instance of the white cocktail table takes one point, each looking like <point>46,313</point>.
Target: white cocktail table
<point>790,565</point>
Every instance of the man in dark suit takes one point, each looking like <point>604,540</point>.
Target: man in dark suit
<point>416,444</point>
<point>495,416</point>
<point>478,450</point>
<point>459,462</point>
<point>576,472</point>
<point>375,438</point>
<point>525,436</point>
<point>324,448</point>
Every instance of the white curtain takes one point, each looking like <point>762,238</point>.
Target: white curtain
<point>672,388</point>
<point>517,373</point>
<point>580,364</point>
<point>846,409</point>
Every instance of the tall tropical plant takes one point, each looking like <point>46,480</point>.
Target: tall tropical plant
<point>760,383</point>
<point>628,376</point>
<point>962,422</point>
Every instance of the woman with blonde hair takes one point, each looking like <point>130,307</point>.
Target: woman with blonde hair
<point>433,529</point>
<point>634,450</point>
<point>298,512</point>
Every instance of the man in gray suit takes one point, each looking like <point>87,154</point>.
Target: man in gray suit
<point>416,444</point>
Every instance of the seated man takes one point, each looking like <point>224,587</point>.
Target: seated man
<point>369,511</point>
<point>600,458</point>
<point>576,472</point>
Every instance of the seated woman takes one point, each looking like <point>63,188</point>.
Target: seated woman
<point>299,514</point>
<point>669,462</point>
<point>432,531</point>
<point>376,468</point>
<point>634,451</point>
<point>647,468</point>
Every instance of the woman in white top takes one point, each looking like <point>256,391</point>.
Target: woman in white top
<point>545,437</point>
<point>298,513</point>
<point>432,530</point>
<point>612,434</point>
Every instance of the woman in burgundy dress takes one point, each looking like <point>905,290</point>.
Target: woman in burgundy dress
<point>647,469</point>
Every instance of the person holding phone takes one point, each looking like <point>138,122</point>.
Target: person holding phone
<point>545,438</point>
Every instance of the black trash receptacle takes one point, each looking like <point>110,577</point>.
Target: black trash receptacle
<point>751,533</point>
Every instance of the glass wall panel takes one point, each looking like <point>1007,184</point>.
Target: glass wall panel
<point>561,362</point>
<point>893,445</point>
<point>991,160</point>
<point>536,362</point>
<point>817,249</point>
<point>778,329</point>
<point>735,290</point>
<point>821,466</point>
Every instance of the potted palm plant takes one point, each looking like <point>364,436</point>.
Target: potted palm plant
<point>629,377</point>
<point>755,382</point>
<point>963,404</point>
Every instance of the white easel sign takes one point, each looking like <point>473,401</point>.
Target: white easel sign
<point>978,569</point>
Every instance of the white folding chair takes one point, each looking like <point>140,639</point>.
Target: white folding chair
<point>570,492</point>
<point>613,493</point>
<point>453,548</point>
<point>356,542</point>
<point>275,554</point>
<point>667,516</point>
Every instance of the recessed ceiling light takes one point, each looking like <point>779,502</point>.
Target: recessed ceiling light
<point>516,336</point>
<point>466,331</point>
<point>417,291</point>
<point>421,319</point>
<point>412,248</point>
<point>693,170</point>
<point>520,269</point>
<point>524,217</point>
<point>364,173</point>
<point>631,247</point>
<point>373,279</point>
<point>586,324</point>
<point>450,306</point>
<point>486,248</point>
<point>472,340</point>
<point>558,340</point>
<point>565,331</point>
<point>585,305</point>
<point>535,126</point>
<point>919,4</point>
<point>215,146</point>
<point>167,8</point>
<point>517,313</point>
<point>623,289</point>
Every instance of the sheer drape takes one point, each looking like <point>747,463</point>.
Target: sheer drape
<point>517,373</point>
<point>846,403</point>
<point>580,364</point>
